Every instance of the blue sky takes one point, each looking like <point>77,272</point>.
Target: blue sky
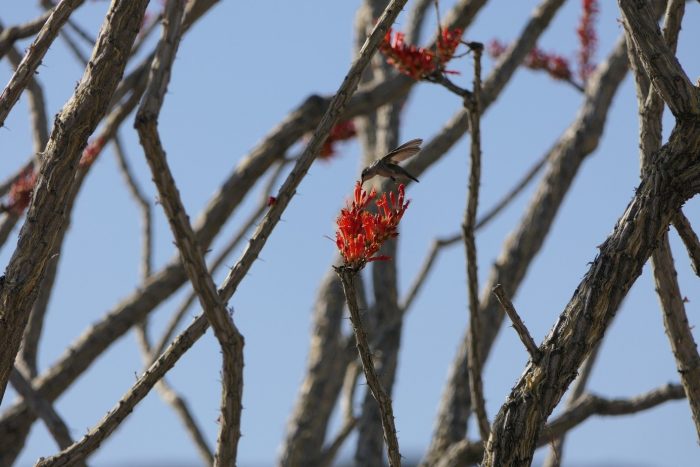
<point>237,74</point>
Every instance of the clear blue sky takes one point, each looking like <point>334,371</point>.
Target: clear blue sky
<point>238,73</point>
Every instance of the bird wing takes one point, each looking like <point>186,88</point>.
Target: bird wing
<point>404,151</point>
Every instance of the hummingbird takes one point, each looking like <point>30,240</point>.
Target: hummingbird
<point>387,166</point>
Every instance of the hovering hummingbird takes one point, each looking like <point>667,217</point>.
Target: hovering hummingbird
<point>387,166</point>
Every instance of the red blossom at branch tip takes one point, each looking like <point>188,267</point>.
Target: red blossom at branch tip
<point>554,65</point>
<point>361,233</point>
<point>340,132</point>
<point>90,153</point>
<point>419,62</point>
<point>587,38</point>
<point>20,193</point>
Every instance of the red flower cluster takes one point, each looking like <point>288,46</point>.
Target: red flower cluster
<point>340,132</point>
<point>419,62</point>
<point>90,153</point>
<point>588,38</point>
<point>20,193</point>
<point>557,66</point>
<point>554,65</point>
<point>361,233</point>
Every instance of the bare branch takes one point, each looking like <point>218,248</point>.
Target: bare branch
<point>588,314</point>
<point>523,244</point>
<point>438,244</point>
<point>167,393</point>
<point>677,327</point>
<point>383,400</point>
<point>465,452</point>
<point>144,206</point>
<point>34,55</point>
<point>12,34</point>
<point>518,324</point>
<point>690,239</point>
<point>590,405</point>
<point>556,451</point>
<point>74,48</point>
<point>476,389</point>
<point>659,61</point>
<point>56,180</point>
<point>43,408</point>
<point>37,108</point>
<point>435,247</point>
<point>92,440</point>
<point>237,238</point>
<point>230,339</point>
<point>330,452</point>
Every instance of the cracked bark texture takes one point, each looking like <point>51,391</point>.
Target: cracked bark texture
<point>523,244</point>
<point>673,176</point>
<point>46,216</point>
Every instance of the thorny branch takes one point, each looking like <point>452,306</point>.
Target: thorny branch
<point>35,53</point>
<point>586,406</point>
<point>230,339</point>
<point>72,127</point>
<point>167,393</point>
<point>476,389</point>
<point>518,324</point>
<point>383,400</point>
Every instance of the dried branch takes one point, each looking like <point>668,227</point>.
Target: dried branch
<point>43,408</point>
<point>230,339</point>
<point>518,324</point>
<point>556,450</point>
<point>586,406</point>
<point>523,244</point>
<point>92,440</point>
<point>677,327</point>
<point>659,61</point>
<point>237,238</point>
<point>74,48</point>
<point>435,247</point>
<point>690,239</point>
<point>144,207</point>
<point>326,364</point>
<point>35,53</point>
<point>663,268</point>
<point>16,423</point>
<point>439,243</point>
<point>37,108</point>
<point>72,127</point>
<point>383,400</point>
<point>329,453</point>
<point>166,392</point>
<point>476,389</point>
<point>591,404</point>
<point>672,177</point>
<point>14,33</point>
<point>40,137</point>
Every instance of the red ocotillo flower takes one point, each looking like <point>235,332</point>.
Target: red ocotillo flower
<point>419,62</point>
<point>361,233</point>
<point>554,65</point>
<point>21,192</point>
<point>342,131</point>
<point>587,38</point>
<point>91,151</point>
